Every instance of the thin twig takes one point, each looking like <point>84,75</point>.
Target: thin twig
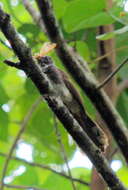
<point>112,74</point>
<point>22,128</point>
<point>110,52</point>
<point>42,166</point>
<point>117,18</point>
<point>62,149</point>
<point>22,187</point>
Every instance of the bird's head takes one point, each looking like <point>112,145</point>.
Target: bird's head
<point>45,62</point>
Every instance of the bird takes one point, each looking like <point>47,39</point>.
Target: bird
<point>71,98</point>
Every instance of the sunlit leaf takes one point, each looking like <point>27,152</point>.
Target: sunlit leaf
<point>122,106</point>
<point>3,96</point>
<point>78,11</point>
<point>4,120</point>
<point>123,174</point>
<point>112,34</point>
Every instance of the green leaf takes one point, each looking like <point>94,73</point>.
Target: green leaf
<point>40,123</point>
<point>44,140</point>
<point>31,32</point>
<point>55,182</point>
<point>23,103</point>
<point>62,183</point>
<point>3,96</point>
<point>59,7</point>
<point>13,165</point>
<point>13,83</point>
<point>3,67</point>
<point>41,127</point>
<point>29,177</point>
<point>2,160</point>
<point>78,11</point>
<point>123,175</point>
<point>82,48</point>
<point>30,87</point>
<point>122,106</point>
<point>106,36</point>
<point>4,120</point>
<point>82,173</point>
<point>19,15</point>
<point>101,18</point>
<point>110,35</point>
<point>121,54</point>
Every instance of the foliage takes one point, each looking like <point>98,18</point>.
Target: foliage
<point>78,21</point>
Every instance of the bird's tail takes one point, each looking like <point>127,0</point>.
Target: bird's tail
<point>96,134</point>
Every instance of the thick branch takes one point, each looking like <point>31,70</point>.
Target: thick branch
<point>85,78</point>
<point>45,88</point>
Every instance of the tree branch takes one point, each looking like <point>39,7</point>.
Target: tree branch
<point>109,53</point>
<point>22,187</point>
<point>112,74</point>
<point>44,86</point>
<point>41,166</point>
<point>84,78</point>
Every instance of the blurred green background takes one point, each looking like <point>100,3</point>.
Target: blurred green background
<point>78,21</point>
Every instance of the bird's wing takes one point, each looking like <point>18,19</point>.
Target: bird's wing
<point>72,90</point>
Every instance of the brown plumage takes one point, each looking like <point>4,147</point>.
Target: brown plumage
<point>88,125</point>
<point>74,102</point>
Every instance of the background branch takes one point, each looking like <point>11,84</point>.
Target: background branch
<point>41,166</point>
<point>62,149</point>
<point>34,14</point>
<point>22,187</point>
<point>112,74</point>
<point>109,53</point>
